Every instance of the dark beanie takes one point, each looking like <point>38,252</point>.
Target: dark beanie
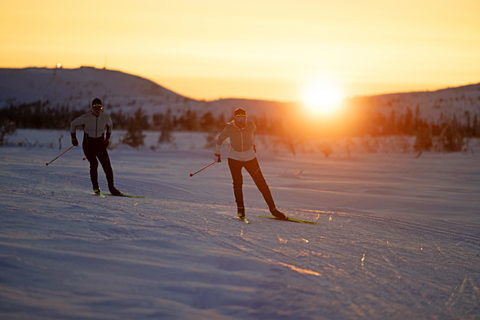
<point>240,112</point>
<point>96,101</point>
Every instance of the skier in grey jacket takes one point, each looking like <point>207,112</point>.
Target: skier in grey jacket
<point>242,154</point>
<point>95,143</point>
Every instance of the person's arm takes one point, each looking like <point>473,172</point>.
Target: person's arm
<point>73,125</point>
<point>109,131</point>
<point>218,146</point>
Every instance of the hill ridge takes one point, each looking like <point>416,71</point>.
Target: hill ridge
<point>76,87</point>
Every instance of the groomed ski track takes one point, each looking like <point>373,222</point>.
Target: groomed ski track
<point>175,255</point>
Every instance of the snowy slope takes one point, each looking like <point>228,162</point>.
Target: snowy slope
<point>433,105</point>
<point>398,237</point>
<point>33,84</point>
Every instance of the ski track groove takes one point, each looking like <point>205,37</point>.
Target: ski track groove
<point>405,261</point>
<point>400,223</point>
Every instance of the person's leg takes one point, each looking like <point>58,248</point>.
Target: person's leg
<point>236,171</point>
<point>89,152</point>
<point>104,159</point>
<point>253,169</point>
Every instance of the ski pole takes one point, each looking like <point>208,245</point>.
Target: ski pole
<point>192,174</point>
<point>60,155</point>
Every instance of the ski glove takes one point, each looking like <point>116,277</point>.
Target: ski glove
<point>218,158</point>
<point>74,140</point>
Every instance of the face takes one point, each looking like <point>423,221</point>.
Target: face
<point>97,110</point>
<point>240,121</point>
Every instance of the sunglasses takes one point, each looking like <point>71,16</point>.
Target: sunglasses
<point>242,118</point>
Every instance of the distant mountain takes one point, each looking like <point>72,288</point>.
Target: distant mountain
<point>76,88</point>
<point>433,105</point>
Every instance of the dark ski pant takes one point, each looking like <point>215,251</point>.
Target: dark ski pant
<point>253,168</point>
<point>95,148</point>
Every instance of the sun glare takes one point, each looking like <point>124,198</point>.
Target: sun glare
<point>322,99</point>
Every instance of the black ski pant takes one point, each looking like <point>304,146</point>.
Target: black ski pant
<point>95,148</point>
<point>253,168</point>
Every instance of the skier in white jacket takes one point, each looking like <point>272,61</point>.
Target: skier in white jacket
<point>242,154</point>
<point>95,143</point>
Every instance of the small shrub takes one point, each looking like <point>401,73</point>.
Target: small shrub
<point>211,140</point>
<point>325,148</point>
<point>167,129</point>
<point>423,140</point>
<point>7,128</point>
<point>370,144</point>
<point>349,142</point>
<point>451,139</point>
<point>134,136</point>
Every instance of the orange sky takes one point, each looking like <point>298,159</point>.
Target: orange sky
<point>266,49</point>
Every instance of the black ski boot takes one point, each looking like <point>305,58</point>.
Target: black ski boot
<point>96,190</point>
<point>278,214</point>
<point>114,191</point>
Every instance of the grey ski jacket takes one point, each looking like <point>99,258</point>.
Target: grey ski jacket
<point>241,141</point>
<point>93,126</point>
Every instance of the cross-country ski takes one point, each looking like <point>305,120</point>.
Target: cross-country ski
<point>124,195</point>
<point>289,219</point>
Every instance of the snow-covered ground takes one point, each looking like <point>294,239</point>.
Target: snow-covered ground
<point>398,237</point>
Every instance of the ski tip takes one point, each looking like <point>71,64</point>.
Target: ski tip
<point>243,220</point>
<point>191,175</point>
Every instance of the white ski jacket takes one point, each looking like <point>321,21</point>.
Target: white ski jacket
<point>93,126</point>
<point>241,141</point>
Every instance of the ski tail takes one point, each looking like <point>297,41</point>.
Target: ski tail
<point>125,195</point>
<point>290,220</point>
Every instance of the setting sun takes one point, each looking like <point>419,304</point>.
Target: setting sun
<point>205,50</point>
<point>322,99</point>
